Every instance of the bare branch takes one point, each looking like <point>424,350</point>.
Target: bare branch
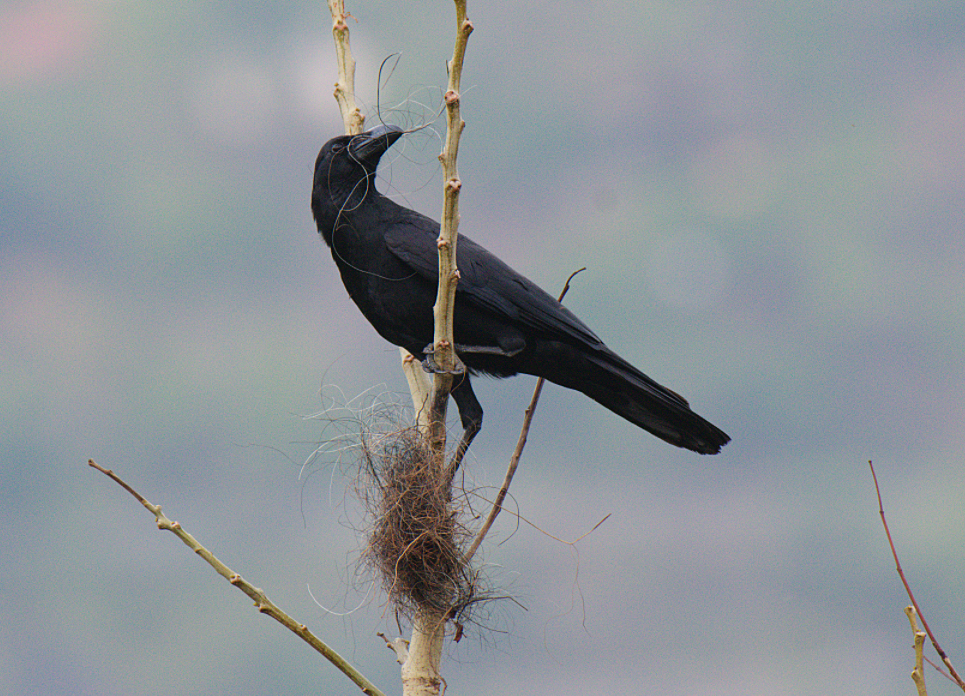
<point>904,581</point>
<point>917,674</point>
<point>400,646</point>
<point>444,355</point>
<point>352,117</point>
<point>448,272</point>
<point>353,121</point>
<point>262,603</point>
<point>420,672</point>
<point>419,388</point>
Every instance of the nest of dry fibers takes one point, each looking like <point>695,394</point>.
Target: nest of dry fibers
<point>417,542</point>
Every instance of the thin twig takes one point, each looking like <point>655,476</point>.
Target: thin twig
<point>939,669</point>
<point>262,603</point>
<point>904,581</point>
<point>510,471</point>
<point>517,453</point>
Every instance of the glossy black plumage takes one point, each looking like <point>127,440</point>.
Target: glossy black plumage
<point>504,323</point>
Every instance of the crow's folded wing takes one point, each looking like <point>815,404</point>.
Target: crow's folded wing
<point>486,281</point>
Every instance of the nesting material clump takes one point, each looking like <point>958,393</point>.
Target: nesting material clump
<point>417,541</point>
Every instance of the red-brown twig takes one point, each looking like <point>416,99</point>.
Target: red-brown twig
<point>904,581</point>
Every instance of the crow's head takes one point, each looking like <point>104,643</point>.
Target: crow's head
<point>346,165</point>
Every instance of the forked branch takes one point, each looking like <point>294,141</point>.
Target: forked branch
<point>904,581</point>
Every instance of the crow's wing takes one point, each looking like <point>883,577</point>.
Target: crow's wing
<point>485,280</point>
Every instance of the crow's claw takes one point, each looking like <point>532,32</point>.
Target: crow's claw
<point>432,367</point>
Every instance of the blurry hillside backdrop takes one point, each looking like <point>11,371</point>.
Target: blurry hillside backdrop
<point>770,203</point>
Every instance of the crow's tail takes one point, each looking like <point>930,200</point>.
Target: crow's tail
<point>611,381</point>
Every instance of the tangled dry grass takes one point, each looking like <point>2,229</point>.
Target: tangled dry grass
<point>417,542</point>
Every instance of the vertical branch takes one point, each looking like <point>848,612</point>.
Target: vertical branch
<point>353,120</point>
<point>420,673</point>
<point>421,670</point>
<point>352,117</point>
<point>442,341</point>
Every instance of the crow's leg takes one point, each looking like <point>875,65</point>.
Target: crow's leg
<point>471,415</point>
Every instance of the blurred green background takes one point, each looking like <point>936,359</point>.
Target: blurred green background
<point>770,202</point>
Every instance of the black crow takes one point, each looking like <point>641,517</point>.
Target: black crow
<point>504,324</point>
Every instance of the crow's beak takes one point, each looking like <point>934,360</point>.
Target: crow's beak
<point>391,133</point>
<point>372,144</point>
